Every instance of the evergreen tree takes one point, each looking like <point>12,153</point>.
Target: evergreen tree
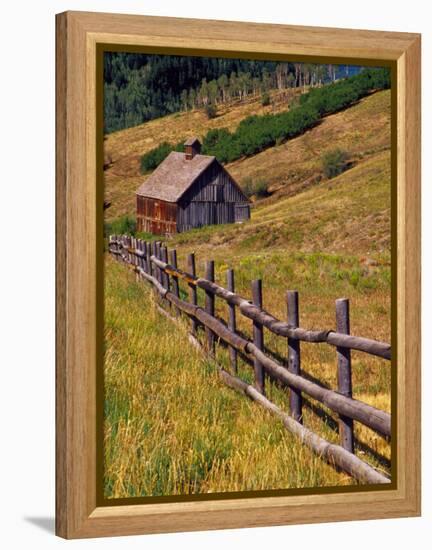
<point>184,98</point>
<point>192,98</point>
<point>139,87</point>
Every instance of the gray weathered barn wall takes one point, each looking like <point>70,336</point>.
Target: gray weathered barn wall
<point>213,199</point>
<point>189,190</point>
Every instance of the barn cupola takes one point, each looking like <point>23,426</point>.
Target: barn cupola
<point>192,148</point>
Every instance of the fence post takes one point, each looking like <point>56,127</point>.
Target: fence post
<point>149,252</point>
<point>138,262</point>
<point>192,289</point>
<point>210,306</point>
<point>135,258</point>
<point>295,400</point>
<point>110,244</point>
<point>153,271</point>
<point>258,336</point>
<point>176,290</point>
<point>165,276</point>
<point>119,248</point>
<point>232,319</point>
<point>121,240</point>
<point>158,256</point>
<point>142,259</point>
<point>145,257</point>
<point>346,425</point>
<point>127,243</point>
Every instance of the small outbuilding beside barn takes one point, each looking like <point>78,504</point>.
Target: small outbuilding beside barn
<point>189,190</point>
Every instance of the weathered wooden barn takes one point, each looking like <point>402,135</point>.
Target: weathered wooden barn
<point>189,190</point>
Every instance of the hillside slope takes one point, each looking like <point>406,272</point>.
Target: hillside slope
<point>347,214</point>
<point>325,238</point>
<point>363,130</point>
<point>126,147</point>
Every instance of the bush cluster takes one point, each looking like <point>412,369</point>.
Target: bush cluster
<point>152,159</point>
<point>334,162</point>
<point>210,110</point>
<point>341,94</point>
<point>265,99</point>
<point>258,132</point>
<point>125,225</point>
<point>259,188</point>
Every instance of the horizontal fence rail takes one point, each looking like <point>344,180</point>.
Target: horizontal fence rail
<point>150,262</point>
<point>248,309</point>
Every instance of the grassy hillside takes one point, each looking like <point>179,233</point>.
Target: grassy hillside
<point>362,130</point>
<point>172,427</point>
<point>308,243</point>
<point>325,238</point>
<point>328,242</point>
<point>126,147</point>
<point>349,213</point>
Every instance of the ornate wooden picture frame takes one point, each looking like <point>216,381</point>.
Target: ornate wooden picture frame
<point>82,39</point>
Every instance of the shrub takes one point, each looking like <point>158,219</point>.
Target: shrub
<point>265,99</point>
<point>146,236</point>
<point>126,225</point>
<point>154,157</point>
<point>334,162</point>
<point>180,147</point>
<point>258,132</point>
<point>222,144</point>
<point>338,95</point>
<point>259,188</point>
<point>210,110</point>
<point>247,185</point>
<point>214,137</point>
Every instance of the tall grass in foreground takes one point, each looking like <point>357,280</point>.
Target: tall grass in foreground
<point>172,427</point>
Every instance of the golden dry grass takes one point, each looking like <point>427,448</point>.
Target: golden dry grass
<point>172,427</point>
<point>325,238</point>
<point>126,147</point>
<point>363,130</point>
<point>347,214</point>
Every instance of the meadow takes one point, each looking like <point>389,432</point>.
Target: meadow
<point>171,426</point>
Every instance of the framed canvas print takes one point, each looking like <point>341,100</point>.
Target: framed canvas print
<point>238,274</point>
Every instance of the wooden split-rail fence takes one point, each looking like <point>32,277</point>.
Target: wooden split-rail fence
<point>152,262</point>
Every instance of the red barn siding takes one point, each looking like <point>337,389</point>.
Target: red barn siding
<point>192,197</point>
<point>156,216</point>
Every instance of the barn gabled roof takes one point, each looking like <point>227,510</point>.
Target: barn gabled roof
<point>174,176</point>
